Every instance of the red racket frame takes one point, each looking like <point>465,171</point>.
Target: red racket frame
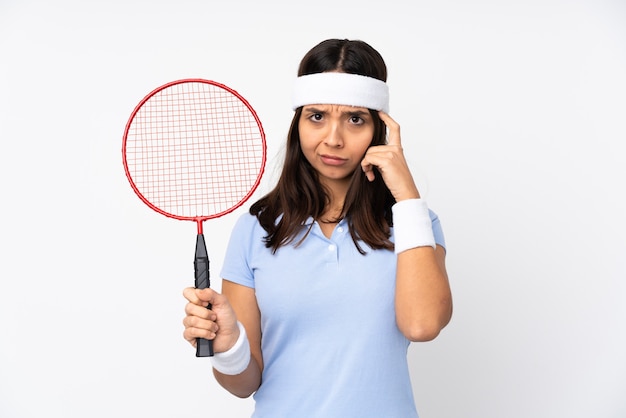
<point>198,219</point>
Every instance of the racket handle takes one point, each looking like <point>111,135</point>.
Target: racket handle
<point>204,347</point>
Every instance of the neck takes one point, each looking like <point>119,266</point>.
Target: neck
<point>337,190</point>
<point>333,213</point>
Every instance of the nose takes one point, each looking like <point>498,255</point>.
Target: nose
<point>335,136</point>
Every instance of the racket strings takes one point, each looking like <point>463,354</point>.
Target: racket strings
<point>195,150</point>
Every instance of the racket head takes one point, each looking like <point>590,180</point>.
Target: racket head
<point>194,149</point>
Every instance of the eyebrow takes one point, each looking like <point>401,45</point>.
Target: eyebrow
<point>355,112</point>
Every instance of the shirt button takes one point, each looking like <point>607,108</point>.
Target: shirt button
<point>331,247</point>
<point>340,229</point>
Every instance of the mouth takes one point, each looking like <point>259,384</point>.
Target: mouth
<point>332,159</point>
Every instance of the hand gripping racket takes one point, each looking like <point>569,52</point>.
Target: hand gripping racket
<point>194,150</point>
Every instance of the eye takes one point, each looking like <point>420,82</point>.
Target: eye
<point>356,120</point>
<point>316,117</point>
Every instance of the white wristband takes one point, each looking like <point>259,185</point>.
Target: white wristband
<point>412,226</point>
<point>236,359</point>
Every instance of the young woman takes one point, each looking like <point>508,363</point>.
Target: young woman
<point>334,272</point>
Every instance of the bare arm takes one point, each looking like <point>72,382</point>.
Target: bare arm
<point>423,297</point>
<point>423,300</point>
<point>236,303</point>
<point>243,301</point>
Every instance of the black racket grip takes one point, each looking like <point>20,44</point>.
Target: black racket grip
<point>204,347</point>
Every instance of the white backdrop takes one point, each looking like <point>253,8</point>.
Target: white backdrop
<point>513,117</point>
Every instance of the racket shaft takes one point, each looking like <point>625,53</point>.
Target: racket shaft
<point>204,347</point>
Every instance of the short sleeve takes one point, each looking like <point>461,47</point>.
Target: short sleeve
<point>237,267</point>
<point>437,229</point>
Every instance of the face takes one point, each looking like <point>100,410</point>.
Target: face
<point>334,139</point>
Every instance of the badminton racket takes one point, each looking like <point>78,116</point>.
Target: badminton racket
<point>194,150</point>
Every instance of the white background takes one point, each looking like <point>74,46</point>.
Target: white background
<point>513,116</point>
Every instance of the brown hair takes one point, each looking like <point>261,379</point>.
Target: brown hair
<point>299,195</point>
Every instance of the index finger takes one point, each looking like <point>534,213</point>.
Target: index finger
<point>196,296</point>
<point>393,128</point>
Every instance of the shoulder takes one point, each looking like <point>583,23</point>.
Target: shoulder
<point>246,224</point>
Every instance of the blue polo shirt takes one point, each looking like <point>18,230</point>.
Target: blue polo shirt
<point>330,344</point>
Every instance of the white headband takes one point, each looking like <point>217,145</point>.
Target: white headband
<point>341,89</point>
